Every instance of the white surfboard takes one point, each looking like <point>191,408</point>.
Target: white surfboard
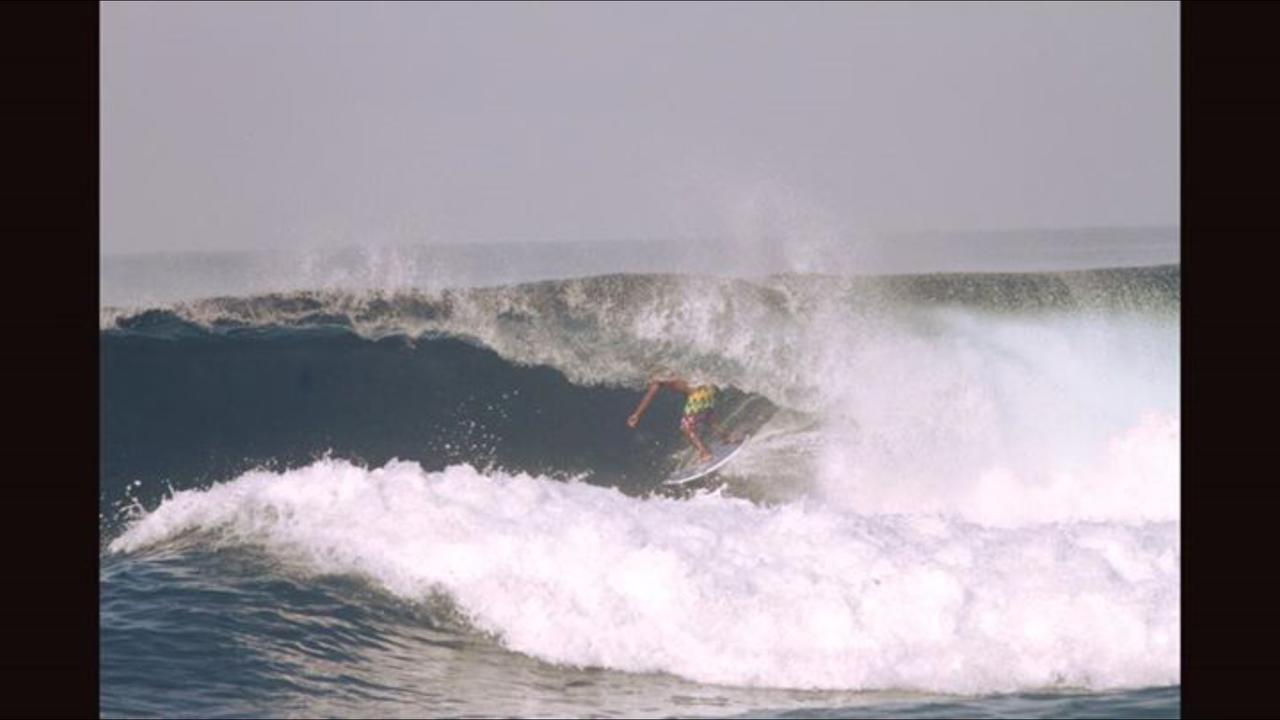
<point>721,454</point>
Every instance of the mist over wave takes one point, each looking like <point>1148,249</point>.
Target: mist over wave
<point>772,235</point>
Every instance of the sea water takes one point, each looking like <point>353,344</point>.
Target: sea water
<point>380,494</point>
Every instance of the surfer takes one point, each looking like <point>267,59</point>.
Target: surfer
<point>699,404</point>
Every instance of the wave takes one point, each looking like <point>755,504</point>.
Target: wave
<point>1004,398</point>
<point>715,589</point>
<point>763,336</point>
<point>197,409</point>
<point>958,484</point>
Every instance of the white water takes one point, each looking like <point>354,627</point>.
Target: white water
<point>1003,420</point>
<point>717,590</point>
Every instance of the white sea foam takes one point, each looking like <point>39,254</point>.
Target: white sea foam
<point>1004,421</point>
<point>718,590</point>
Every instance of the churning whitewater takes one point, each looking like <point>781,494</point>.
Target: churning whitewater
<point>718,590</point>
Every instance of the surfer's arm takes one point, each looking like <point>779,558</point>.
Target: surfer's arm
<point>644,404</point>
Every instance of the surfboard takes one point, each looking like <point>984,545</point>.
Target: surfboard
<point>721,454</point>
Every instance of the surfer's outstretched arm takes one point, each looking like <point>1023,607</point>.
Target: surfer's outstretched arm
<point>644,404</point>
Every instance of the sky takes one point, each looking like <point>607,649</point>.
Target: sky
<point>273,126</point>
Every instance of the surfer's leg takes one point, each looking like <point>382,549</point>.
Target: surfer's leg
<point>689,426</point>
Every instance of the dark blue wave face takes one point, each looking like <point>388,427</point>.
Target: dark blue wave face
<point>189,407</point>
<point>233,635</point>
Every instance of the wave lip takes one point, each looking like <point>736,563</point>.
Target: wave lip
<point>719,590</point>
<point>407,311</point>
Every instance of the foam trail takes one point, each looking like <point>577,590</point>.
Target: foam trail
<point>719,590</point>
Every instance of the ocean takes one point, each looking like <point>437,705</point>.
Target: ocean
<point>399,482</point>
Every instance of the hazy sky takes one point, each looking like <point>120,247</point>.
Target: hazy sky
<point>261,125</point>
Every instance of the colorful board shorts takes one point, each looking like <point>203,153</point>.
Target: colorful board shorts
<point>698,407</point>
